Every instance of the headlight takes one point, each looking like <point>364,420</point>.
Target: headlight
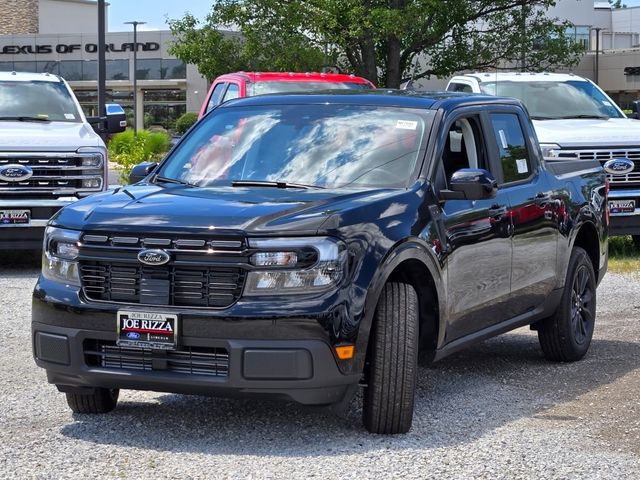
<point>550,151</point>
<point>91,183</point>
<point>59,254</point>
<point>94,161</point>
<point>295,266</point>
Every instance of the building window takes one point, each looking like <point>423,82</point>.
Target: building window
<point>579,34</point>
<point>161,69</point>
<point>163,107</point>
<point>71,70</point>
<point>117,70</point>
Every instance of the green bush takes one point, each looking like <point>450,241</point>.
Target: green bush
<point>185,121</point>
<point>128,150</point>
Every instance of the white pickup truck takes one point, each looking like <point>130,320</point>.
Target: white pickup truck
<point>575,119</point>
<point>49,154</point>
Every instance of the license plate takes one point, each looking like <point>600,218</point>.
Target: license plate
<point>622,206</point>
<point>15,217</point>
<point>157,331</point>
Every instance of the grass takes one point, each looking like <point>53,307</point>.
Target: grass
<point>624,255</point>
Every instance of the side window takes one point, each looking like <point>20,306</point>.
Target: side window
<point>232,92</point>
<point>459,87</point>
<point>214,100</point>
<point>464,146</point>
<point>514,157</point>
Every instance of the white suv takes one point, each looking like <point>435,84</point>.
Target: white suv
<point>575,119</point>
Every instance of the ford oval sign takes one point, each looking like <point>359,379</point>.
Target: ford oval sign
<point>15,173</point>
<point>619,166</point>
<point>153,257</point>
<point>133,335</point>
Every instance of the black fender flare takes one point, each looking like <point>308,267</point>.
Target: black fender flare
<point>412,249</point>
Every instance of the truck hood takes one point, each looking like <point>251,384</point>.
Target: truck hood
<point>613,132</point>
<point>47,136</point>
<point>179,209</point>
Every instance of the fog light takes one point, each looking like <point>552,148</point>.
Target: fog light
<point>91,183</point>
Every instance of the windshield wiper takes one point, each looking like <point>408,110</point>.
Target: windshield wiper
<point>587,116</point>
<point>24,119</point>
<point>265,183</point>
<point>173,180</point>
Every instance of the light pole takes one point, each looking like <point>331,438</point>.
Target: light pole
<point>135,24</point>
<point>596,74</point>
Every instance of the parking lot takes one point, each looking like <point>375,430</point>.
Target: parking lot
<point>497,410</point>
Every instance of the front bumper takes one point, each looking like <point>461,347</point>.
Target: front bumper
<point>288,357</point>
<point>625,223</point>
<point>29,237</point>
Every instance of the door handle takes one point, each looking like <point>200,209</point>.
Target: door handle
<point>497,210</point>
<point>542,199</point>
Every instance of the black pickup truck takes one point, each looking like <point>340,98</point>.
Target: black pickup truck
<point>300,246</point>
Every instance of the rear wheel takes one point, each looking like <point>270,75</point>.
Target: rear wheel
<point>566,336</point>
<point>393,363</point>
<point>102,400</point>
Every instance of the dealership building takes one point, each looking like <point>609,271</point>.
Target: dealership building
<point>60,37</point>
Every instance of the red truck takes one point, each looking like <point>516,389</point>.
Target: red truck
<point>248,84</point>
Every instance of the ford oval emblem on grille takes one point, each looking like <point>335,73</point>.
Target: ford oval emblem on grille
<point>619,166</point>
<point>15,173</point>
<point>153,257</point>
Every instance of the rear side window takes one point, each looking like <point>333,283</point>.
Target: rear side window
<point>216,95</point>
<point>514,157</point>
<point>459,87</point>
<point>232,92</point>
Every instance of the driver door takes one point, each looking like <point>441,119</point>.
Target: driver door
<point>478,236</point>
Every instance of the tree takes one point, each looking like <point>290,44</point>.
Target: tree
<point>386,41</point>
<point>617,4</point>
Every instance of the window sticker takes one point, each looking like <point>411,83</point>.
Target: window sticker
<point>503,139</point>
<point>69,116</point>
<point>521,165</point>
<point>406,124</point>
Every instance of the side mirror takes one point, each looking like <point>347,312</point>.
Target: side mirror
<point>141,171</point>
<point>116,118</point>
<point>470,184</point>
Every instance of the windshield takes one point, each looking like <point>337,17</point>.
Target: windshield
<point>36,99</point>
<point>550,100</point>
<point>263,88</point>
<point>315,145</point>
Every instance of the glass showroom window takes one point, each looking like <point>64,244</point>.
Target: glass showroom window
<point>163,107</point>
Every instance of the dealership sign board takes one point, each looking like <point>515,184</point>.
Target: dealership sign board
<point>74,47</point>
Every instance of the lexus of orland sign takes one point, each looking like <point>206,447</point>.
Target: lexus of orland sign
<point>75,47</point>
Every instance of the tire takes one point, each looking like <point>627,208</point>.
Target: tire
<point>393,361</point>
<point>636,240</point>
<point>102,400</point>
<point>566,335</point>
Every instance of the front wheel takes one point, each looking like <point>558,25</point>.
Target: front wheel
<point>393,363</point>
<point>566,336</point>
<point>102,400</point>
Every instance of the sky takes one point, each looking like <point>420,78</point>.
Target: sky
<point>154,12</point>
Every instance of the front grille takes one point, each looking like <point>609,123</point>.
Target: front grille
<point>53,173</point>
<point>197,275</point>
<point>166,285</point>
<point>186,360</point>
<point>603,156</point>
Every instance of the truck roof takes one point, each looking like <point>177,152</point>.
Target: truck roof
<point>380,97</point>
<point>521,76</point>
<point>28,77</point>
<point>293,77</point>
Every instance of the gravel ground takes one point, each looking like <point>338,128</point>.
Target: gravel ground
<point>497,410</point>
